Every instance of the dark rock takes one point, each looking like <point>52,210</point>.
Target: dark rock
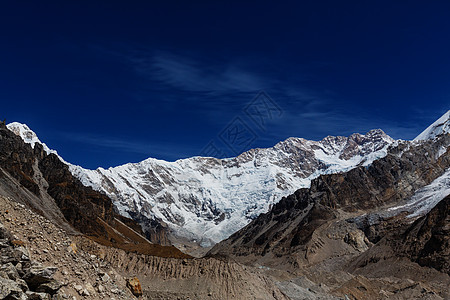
<point>427,240</point>
<point>38,275</point>
<point>17,158</point>
<point>38,296</point>
<point>50,287</point>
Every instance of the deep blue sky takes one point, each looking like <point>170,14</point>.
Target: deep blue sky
<point>110,82</point>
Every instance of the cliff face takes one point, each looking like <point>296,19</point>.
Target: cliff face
<point>81,206</point>
<point>17,159</point>
<point>427,240</point>
<point>44,183</point>
<point>407,167</point>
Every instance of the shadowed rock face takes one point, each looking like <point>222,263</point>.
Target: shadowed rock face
<point>427,240</point>
<point>54,187</point>
<point>288,227</point>
<point>80,205</point>
<point>17,159</point>
<point>406,168</point>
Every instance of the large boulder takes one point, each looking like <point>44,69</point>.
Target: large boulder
<point>135,286</point>
<point>37,275</point>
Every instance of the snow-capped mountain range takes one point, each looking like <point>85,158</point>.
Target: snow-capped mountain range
<point>206,199</point>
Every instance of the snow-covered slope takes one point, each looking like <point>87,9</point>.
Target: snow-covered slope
<point>425,198</point>
<point>442,125</point>
<point>208,199</point>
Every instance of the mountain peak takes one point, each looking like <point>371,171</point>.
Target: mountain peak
<point>440,126</point>
<point>30,137</point>
<point>22,130</point>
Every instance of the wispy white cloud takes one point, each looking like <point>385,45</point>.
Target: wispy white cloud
<point>196,76</point>
<point>214,85</point>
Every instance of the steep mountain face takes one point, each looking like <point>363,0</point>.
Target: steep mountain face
<point>289,227</point>
<point>207,199</point>
<point>42,181</point>
<point>441,126</point>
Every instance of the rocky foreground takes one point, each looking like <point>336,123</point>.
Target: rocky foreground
<point>78,268</point>
<point>51,264</point>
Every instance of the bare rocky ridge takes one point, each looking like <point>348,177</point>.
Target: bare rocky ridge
<point>426,241</point>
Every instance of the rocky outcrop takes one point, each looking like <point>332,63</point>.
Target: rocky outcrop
<point>17,159</point>
<point>135,286</point>
<point>417,252</point>
<point>81,206</point>
<point>427,240</point>
<point>392,179</point>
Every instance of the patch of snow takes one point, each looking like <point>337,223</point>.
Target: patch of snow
<point>426,198</point>
<point>441,151</point>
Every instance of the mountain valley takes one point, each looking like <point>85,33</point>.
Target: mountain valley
<point>359,217</point>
